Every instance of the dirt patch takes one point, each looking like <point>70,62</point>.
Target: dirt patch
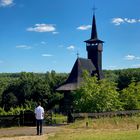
<point>43,137</point>
<point>27,133</point>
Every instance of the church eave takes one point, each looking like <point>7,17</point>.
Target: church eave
<point>90,41</point>
<point>68,87</point>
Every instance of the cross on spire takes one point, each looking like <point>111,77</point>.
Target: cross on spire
<point>77,54</point>
<point>94,9</point>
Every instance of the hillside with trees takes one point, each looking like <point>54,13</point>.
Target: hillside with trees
<point>26,89</point>
<point>119,90</point>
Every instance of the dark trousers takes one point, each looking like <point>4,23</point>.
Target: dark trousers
<point>39,126</point>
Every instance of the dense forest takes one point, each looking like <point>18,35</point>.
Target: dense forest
<point>26,89</point>
<point>119,90</point>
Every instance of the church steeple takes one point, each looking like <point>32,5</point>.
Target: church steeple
<point>94,29</point>
<point>94,37</point>
<point>94,49</point>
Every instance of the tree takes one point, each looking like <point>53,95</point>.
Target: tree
<point>111,75</point>
<point>130,96</point>
<point>4,82</point>
<point>9,100</point>
<point>96,96</point>
<point>29,88</point>
<point>127,76</point>
<point>123,77</point>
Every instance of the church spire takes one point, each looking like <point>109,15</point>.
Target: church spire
<point>94,37</point>
<point>94,29</point>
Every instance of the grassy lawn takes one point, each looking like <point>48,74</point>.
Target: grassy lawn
<point>101,129</point>
<point>59,119</point>
<point>96,135</point>
<point>117,128</point>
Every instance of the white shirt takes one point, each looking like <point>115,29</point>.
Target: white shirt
<point>39,113</point>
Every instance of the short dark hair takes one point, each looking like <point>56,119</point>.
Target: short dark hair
<point>38,103</point>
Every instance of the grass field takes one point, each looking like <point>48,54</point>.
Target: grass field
<point>117,128</point>
<point>101,129</point>
<point>96,135</point>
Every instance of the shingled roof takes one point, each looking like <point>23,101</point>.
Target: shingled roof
<point>75,77</point>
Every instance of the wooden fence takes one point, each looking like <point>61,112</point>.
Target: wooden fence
<point>9,120</point>
<point>26,118</point>
<point>105,114</point>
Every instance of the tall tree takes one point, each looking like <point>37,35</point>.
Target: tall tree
<point>96,96</point>
<point>130,96</point>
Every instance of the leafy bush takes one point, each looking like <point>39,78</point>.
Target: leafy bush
<point>130,96</point>
<point>14,111</point>
<point>96,96</point>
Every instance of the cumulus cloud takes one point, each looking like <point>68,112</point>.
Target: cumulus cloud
<point>23,47</point>
<point>47,55</point>
<point>42,28</point>
<point>71,47</point>
<point>5,3</point>
<point>119,21</point>
<point>84,27</point>
<point>131,20</point>
<point>131,57</point>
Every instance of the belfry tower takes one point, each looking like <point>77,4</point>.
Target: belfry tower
<point>94,48</point>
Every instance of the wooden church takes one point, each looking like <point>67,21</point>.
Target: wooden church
<point>93,64</point>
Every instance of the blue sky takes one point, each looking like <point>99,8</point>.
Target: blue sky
<point>45,35</point>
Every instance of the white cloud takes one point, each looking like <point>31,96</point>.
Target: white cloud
<point>23,47</point>
<point>5,3</point>
<point>55,33</point>
<point>118,21</point>
<point>130,20</point>
<point>131,57</point>
<point>47,55</point>
<point>42,28</point>
<point>71,47</point>
<point>84,27</point>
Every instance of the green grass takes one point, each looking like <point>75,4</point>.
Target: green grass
<point>116,128</point>
<point>58,119</point>
<point>124,123</point>
<point>96,135</point>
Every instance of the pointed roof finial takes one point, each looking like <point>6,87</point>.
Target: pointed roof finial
<point>77,54</point>
<point>94,9</point>
<point>94,35</point>
<point>94,29</point>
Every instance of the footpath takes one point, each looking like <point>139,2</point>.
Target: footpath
<point>27,133</point>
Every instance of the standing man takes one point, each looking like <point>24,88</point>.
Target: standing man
<point>39,114</point>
